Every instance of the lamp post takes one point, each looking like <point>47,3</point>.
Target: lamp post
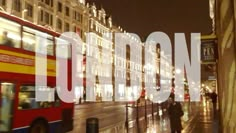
<point>151,97</point>
<point>145,107</point>
<point>137,117</point>
<point>212,14</point>
<point>126,120</point>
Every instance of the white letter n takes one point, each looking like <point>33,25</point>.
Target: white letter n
<point>192,70</point>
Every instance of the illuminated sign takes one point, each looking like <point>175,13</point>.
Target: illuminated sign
<point>208,51</point>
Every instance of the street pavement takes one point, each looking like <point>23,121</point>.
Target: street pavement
<point>204,120</point>
<point>109,115</point>
<point>198,118</point>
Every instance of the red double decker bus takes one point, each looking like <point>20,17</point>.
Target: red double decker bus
<point>19,110</point>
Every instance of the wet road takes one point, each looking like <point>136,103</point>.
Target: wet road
<point>198,118</point>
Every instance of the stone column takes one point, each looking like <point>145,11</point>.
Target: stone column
<point>225,13</point>
<point>9,6</point>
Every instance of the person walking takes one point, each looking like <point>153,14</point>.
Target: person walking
<point>214,102</point>
<point>175,113</point>
<point>5,40</point>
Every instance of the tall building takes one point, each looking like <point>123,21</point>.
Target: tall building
<point>157,70</point>
<point>99,58</point>
<point>101,64</point>
<point>59,15</point>
<point>128,68</point>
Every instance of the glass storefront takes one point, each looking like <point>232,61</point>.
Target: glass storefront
<point>79,94</point>
<point>104,92</point>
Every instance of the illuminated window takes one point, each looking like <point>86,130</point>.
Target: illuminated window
<point>27,98</point>
<point>40,42</point>
<point>9,33</point>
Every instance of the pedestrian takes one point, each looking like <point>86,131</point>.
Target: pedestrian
<point>175,113</point>
<point>80,100</point>
<point>214,101</point>
<point>5,40</point>
<point>84,96</point>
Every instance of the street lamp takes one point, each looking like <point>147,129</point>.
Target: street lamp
<point>212,13</point>
<point>177,71</point>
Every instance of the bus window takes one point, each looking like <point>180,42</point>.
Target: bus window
<point>63,48</point>
<point>35,40</point>
<point>28,41</point>
<point>7,94</point>
<point>9,33</point>
<point>27,98</point>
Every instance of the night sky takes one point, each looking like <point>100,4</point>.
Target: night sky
<point>146,16</point>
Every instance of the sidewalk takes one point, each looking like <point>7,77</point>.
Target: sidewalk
<point>162,124</point>
<point>204,121</point>
<point>198,118</point>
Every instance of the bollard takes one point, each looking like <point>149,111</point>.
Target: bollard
<point>92,125</point>
<point>126,120</point>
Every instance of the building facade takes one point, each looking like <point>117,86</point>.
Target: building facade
<point>99,57</point>
<point>226,34</point>
<point>158,70</point>
<point>59,15</point>
<point>128,67</point>
<point>108,69</point>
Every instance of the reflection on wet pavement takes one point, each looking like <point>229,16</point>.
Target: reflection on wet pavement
<point>198,118</point>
